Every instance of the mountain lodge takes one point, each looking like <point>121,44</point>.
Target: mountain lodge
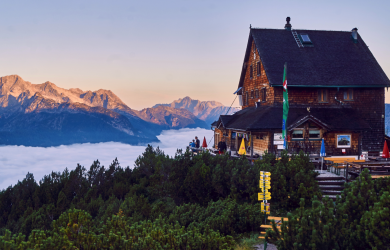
<point>336,91</point>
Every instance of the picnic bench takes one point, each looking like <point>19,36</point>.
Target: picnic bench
<point>338,163</point>
<point>379,176</point>
<point>377,169</point>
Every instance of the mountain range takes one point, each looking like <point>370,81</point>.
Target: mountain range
<point>47,115</point>
<point>208,111</point>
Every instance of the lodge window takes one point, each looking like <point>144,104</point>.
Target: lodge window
<point>314,134</point>
<point>258,69</point>
<point>256,94</point>
<point>297,134</point>
<point>323,95</point>
<point>306,131</point>
<point>246,98</point>
<point>251,72</point>
<point>252,94</point>
<point>348,95</point>
<point>264,94</point>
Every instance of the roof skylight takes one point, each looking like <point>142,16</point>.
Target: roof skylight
<point>305,38</point>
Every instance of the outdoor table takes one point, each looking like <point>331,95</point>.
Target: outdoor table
<point>382,165</point>
<point>215,151</point>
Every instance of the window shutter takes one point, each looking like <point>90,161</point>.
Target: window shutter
<point>351,94</point>
<point>325,95</point>
<point>346,95</point>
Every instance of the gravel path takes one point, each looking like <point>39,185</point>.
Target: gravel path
<point>269,247</point>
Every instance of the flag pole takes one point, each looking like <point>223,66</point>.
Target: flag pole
<point>285,107</point>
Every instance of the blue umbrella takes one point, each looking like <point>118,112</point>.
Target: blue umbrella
<point>322,153</point>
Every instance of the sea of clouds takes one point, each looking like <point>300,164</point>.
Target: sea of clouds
<point>17,161</point>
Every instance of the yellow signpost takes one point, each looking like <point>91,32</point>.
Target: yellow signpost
<point>264,195</point>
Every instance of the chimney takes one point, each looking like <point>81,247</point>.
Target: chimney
<point>288,25</point>
<point>354,35</point>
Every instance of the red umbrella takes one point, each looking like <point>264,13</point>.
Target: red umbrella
<point>385,153</point>
<point>204,144</point>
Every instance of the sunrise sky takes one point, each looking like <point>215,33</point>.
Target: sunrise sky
<point>150,52</point>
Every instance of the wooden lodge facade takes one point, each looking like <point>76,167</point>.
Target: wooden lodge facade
<point>336,91</point>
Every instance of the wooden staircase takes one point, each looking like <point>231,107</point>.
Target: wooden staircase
<point>331,186</point>
<point>278,222</point>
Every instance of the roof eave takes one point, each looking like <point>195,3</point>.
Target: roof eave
<point>333,86</point>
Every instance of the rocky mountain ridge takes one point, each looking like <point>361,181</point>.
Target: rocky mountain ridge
<point>208,111</point>
<point>171,117</point>
<point>46,115</point>
<point>14,90</point>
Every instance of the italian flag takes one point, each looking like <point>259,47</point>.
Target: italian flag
<point>285,106</point>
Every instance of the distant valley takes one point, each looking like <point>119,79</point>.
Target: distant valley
<point>47,115</point>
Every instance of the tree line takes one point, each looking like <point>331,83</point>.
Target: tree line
<point>181,202</point>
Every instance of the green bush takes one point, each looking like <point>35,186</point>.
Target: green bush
<point>292,178</point>
<point>73,230</point>
<point>359,219</point>
<point>200,196</point>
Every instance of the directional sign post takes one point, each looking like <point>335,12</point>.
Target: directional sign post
<point>265,184</point>
<point>264,195</point>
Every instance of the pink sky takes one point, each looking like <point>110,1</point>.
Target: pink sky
<point>150,52</point>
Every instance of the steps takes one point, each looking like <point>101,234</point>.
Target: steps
<point>278,222</point>
<point>331,185</point>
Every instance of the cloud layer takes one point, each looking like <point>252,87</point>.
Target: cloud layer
<point>17,161</point>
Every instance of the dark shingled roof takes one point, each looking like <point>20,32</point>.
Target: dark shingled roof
<point>333,61</point>
<point>270,117</point>
<point>225,119</point>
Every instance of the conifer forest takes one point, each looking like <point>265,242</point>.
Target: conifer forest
<point>190,202</point>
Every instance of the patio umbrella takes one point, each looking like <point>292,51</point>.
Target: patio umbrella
<point>385,153</point>
<point>242,150</point>
<point>322,153</point>
<point>204,144</point>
